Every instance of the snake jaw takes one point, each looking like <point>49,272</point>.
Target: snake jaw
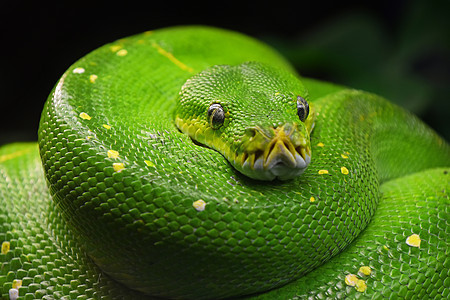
<point>283,156</point>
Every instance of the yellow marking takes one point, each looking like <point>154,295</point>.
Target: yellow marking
<point>118,167</point>
<point>386,248</point>
<point>171,58</point>
<point>93,78</point>
<point>321,172</point>
<point>85,116</point>
<point>351,279</point>
<point>149,32</point>
<point>5,247</point>
<point>122,52</point>
<point>16,284</point>
<point>413,240</point>
<point>115,48</point>
<point>365,270</point>
<point>277,93</point>
<point>78,71</point>
<point>344,156</point>
<point>149,163</point>
<point>6,157</point>
<point>89,137</point>
<point>199,205</point>
<point>320,144</point>
<point>113,154</point>
<point>344,170</point>
<point>312,199</point>
<point>106,126</point>
<point>361,286</point>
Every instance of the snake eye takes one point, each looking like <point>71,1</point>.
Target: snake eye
<point>302,108</point>
<point>216,115</point>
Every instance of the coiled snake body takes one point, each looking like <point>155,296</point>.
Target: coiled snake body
<point>193,163</point>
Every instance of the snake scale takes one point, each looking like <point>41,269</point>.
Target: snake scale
<point>194,163</point>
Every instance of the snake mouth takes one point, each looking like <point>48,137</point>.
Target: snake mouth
<point>279,158</point>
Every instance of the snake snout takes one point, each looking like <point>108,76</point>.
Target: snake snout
<point>282,155</point>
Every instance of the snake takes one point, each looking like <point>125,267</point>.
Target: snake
<point>194,162</point>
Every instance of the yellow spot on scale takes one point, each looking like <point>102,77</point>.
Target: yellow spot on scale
<point>149,163</point>
<point>118,167</point>
<point>106,126</point>
<point>320,144</point>
<point>312,199</point>
<point>351,279</point>
<point>122,52</point>
<point>344,170</point>
<point>78,71</point>
<point>344,156</point>
<point>199,205</point>
<point>386,248</point>
<point>93,78</point>
<point>361,286</point>
<point>413,240</point>
<point>115,48</point>
<point>5,247</point>
<point>364,270</point>
<point>85,116</point>
<point>113,154</point>
<point>16,284</point>
<point>321,172</point>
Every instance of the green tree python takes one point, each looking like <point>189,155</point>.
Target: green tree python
<point>194,163</point>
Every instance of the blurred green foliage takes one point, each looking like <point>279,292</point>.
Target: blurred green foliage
<point>407,61</point>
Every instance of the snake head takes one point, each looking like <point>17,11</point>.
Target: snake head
<point>256,116</point>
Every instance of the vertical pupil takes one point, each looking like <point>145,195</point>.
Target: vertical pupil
<point>302,108</point>
<point>216,115</point>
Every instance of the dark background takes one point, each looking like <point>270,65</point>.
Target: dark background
<point>398,49</point>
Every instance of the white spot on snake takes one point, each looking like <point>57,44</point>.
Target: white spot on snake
<point>199,205</point>
<point>13,294</point>
<point>413,240</point>
<point>78,71</point>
